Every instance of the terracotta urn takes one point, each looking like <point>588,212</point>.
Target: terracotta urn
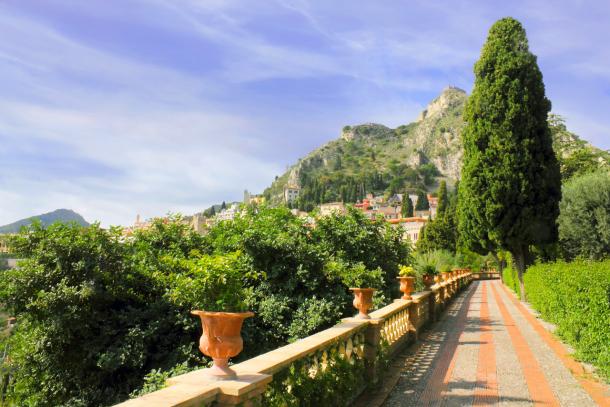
<point>446,276</point>
<point>437,279</point>
<point>221,339</point>
<point>428,280</point>
<point>407,286</point>
<point>363,301</point>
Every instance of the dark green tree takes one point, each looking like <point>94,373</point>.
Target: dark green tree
<point>440,233</point>
<point>406,208</point>
<point>223,206</point>
<point>212,211</point>
<point>442,199</point>
<point>510,187</point>
<point>422,201</point>
<point>584,221</point>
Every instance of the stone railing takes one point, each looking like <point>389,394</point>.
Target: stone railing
<point>280,377</point>
<point>487,275</point>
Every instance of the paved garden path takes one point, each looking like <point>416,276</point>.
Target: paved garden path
<point>488,349</point>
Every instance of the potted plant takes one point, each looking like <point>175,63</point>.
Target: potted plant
<point>429,276</point>
<point>363,283</point>
<point>219,282</point>
<point>426,265</point>
<point>406,275</point>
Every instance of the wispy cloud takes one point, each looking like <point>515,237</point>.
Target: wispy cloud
<point>118,108</point>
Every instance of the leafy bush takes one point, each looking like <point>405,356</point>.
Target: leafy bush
<point>334,386</point>
<point>575,296</point>
<point>94,316</point>
<point>425,263</point>
<point>356,276</point>
<point>375,243</point>
<point>100,318</point>
<point>584,220</point>
<point>470,259</point>
<point>511,280</point>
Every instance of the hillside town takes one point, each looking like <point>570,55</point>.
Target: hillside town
<point>373,206</point>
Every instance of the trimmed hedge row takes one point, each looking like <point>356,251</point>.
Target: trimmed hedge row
<point>576,297</point>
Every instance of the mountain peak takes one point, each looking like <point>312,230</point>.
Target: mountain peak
<point>371,130</point>
<point>58,215</point>
<point>450,97</point>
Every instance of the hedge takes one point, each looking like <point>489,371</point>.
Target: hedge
<point>575,296</point>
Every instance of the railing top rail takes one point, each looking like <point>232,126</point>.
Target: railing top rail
<point>391,309</point>
<point>277,359</point>
<point>178,394</point>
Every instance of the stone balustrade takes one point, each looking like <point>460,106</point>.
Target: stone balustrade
<point>357,344</point>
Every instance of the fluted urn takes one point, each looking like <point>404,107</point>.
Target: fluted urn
<point>407,286</point>
<point>363,301</point>
<point>221,339</point>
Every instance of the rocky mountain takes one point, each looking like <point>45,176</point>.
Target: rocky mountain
<point>58,215</point>
<point>374,158</point>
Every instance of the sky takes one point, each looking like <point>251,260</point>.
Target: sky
<point>115,108</point>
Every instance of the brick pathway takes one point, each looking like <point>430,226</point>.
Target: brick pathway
<point>488,349</point>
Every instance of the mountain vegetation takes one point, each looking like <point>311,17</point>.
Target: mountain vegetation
<point>372,158</point>
<point>46,219</point>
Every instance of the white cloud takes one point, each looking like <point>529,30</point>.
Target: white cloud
<point>111,135</point>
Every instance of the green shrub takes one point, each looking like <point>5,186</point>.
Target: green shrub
<point>584,220</point>
<point>101,317</point>
<point>511,280</point>
<point>575,296</point>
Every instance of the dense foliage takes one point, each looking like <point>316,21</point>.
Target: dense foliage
<point>94,314</point>
<point>406,206</point>
<point>510,187</point>
<point>100,317</point>
<point>511,280</point>
<point>576,157</point>
<point>584,220</point>
<point>440,233</point>
<point>575,296</point>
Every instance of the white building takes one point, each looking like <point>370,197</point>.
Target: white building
<point>411,227</point>
<point>228,214</point>
<point>291,193</point>
<point>332,207</point>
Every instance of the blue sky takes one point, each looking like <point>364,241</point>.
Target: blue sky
<point>119,107</point>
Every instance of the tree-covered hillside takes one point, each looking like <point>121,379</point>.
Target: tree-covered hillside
<point>46,219</point>
<point>372,158</point>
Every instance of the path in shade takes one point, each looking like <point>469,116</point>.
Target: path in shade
<point>489,350</point>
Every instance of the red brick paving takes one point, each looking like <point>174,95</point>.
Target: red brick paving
<point>451,369</point>
<point>443,366</point>
<point>539,388</point>
<point>486,392</point>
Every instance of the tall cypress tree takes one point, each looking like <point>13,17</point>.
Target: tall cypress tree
<point>510,187</point>
<point>406,208</point>
<point>422,201</point>
<point>442,199</point>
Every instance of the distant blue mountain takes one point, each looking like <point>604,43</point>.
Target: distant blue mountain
<point>59,215</point>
